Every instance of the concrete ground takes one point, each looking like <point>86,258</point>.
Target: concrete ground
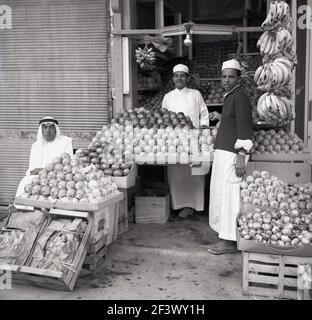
<point>168,261</point>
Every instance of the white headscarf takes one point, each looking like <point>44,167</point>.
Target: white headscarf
<point>42,151</point>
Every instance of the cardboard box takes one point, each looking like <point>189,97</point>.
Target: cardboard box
<point>127,181</point>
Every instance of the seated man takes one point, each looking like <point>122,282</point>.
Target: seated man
<point>49,144</point>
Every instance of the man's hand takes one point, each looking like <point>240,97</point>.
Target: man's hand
<point>214,116</point>
<point>240,166</point>
<point>35,171</point>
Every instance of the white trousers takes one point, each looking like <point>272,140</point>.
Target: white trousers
<point>224,204</point>
<point>186,190</point>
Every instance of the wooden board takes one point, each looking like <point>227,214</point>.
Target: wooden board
<point>298,157</point>
<point>70,206</point>
<point>58,280</point>
<point>287,172</point>
<point>271,275</point>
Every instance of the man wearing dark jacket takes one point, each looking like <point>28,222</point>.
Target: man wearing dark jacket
<point>233,143</point>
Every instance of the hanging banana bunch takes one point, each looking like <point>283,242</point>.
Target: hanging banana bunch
<point>278,16</point>
<point>274,75</point>
<point>145,57</point>
<point>279,59</point>
<point>275,109</point>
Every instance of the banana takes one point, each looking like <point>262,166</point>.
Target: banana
<point>258,73</point>
<point>280,74</point>
<point>273,13</point>
<point>285,72</point>
<point>263,39</point>
<point>270,17</point>
<point>269,45</point>
<point>275,75</point>
<point>262,105</point>
<point>280,12</point>
<point>288,105</point>
<point>284,61</point>
<point>260,81</point>
<point>274,48</point>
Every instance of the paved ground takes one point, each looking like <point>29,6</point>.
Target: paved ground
<point>167,261</point>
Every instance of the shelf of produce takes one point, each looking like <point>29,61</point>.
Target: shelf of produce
<point>266,126</point>
<point>174,160</point>
<point>70,206</point>
<point>298,157</point>
<point>214,104</point>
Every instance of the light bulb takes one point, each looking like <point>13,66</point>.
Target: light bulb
<point>187,41</point>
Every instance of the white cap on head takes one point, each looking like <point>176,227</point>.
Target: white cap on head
<point>231,64</point>
<point>181,67</point>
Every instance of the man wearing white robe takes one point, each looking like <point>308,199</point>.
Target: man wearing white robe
<point>186,190</point>
<point>49,144</point>
<point>233,142</point>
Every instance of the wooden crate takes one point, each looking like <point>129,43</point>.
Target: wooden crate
<point>66,205</point>
<point>95,253</point>
<point>58,280</point>
<point>288,172</point>
<point>271,275</point>
<point>149,209</point>
<point>105,214</point>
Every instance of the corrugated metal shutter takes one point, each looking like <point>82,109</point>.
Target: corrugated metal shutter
<point>54,61</point>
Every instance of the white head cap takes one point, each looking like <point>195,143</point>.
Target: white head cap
<point>181,67</point>
<point>231,64</point>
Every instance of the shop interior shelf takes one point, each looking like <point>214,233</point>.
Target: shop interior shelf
<point>214,104</point>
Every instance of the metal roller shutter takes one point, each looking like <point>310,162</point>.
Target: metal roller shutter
<point>54,61</point>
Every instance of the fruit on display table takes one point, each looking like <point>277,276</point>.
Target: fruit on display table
<point>66,180</point>
<point>262,190</point>
<point>172,142</point>
<point>279,59</point>
<point>277,142</point>
<point>281,227</point>
<point>114,148</point>
<point>212,91</point>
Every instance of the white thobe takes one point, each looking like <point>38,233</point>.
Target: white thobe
<point>190,102</point>
<point>186,190</point>
<point>224,203</point>
<point>42,154</point>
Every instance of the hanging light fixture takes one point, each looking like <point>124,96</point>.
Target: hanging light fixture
<point>188,41</point>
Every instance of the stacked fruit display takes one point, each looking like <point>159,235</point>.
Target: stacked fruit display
<point>278,227</point>
<point>145,57</point>
<point>279,59</point>
<point>114,148</point>
<point>147,83</point>
<point>261,190</point>
<point>182,145</point>
<point>277,142</point>
<point>212,91</point>
<point>65,179</point>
